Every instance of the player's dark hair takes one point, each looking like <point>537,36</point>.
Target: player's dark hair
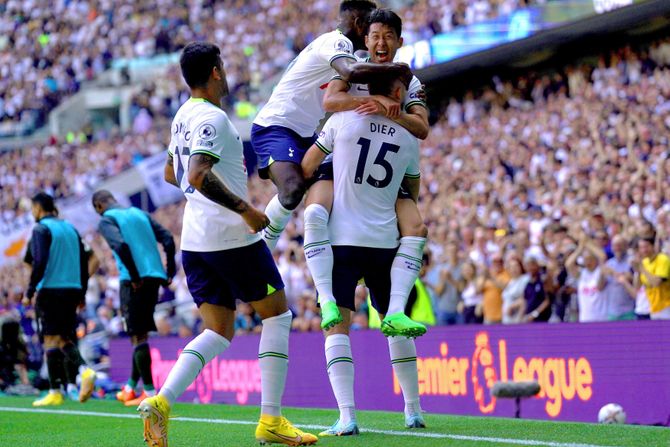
<point>357,5</point>
<point>388,18</point>
<point>197,60</point>
<point>383,84</point>
<point>102,196</point>
<point>45,201</point>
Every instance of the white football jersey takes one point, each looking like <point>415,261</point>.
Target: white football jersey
<point>592,302</point>
<point>200,127</point>
<point>297,101</point>
<point>371,156</point>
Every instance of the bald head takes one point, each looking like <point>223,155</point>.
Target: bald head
<point>102,200</point>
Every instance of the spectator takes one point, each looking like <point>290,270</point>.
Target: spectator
<point>538,304</point>
<point>514,302</point>
<point>654,273</point>
<point>445,282</point>
<point>620,304</point>
<point>592,301</point>
<point>473,285</point>
<point>496,279</point>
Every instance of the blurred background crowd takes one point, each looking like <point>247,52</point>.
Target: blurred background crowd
<point>46,52</point>
<point>543,194</point>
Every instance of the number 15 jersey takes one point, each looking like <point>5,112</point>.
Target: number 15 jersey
<point>371,156</point>
<point>200,127</point>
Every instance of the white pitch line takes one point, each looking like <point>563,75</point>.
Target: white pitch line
<point>527,442</point>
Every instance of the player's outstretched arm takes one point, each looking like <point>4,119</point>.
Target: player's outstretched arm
<point>169,171</point>
<point>201,177</point>
<point>312,160</point>
<point>364,72</point>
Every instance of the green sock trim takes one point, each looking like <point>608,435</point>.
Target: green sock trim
<point>149,387</point>
<point>316,244</point>
<point>279,355</point>
<point>339,360</point>
<point>195,353</point>
<point>403,255</point>
<point>131,383</point>
<point>405,360</point>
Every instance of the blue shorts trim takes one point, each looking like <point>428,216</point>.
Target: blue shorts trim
<point>277,143</point>
<point>221,277</point>
<point>371,264</point>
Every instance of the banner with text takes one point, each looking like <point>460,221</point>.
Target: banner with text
<point>580,367</point>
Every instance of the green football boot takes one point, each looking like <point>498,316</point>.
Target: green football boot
<point>330,315</point>
<point>400,325</point>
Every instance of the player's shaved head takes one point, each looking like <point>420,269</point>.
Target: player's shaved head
<point>102,200</point>
<point>197,61</point>
<point>357,5</point>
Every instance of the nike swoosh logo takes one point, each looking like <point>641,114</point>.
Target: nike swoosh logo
<point>297,438</point>
<point>361,89</point>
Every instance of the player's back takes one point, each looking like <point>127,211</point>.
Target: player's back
<point>371,156</point>
<point>200,127</point>
<point>296,102</point>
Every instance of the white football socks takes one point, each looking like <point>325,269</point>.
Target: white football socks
<point>403,359</point>
<point>197,353</point>
<point>341,374</point>
<point>318,251</point>
<point>404,271</point>
<point>273,361</point>
<point>279,217</point>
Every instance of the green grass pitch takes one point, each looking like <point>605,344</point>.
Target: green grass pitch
<point>107,423</point>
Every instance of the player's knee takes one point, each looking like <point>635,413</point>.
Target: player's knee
<point>291,195</point>
<point>316,215</point>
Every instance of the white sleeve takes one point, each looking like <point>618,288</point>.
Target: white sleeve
<point>326,139</point>
<point>413,169</point>
<point>413,95</point>
<point>172,146</point>
<point>209,134</point>
<point>336,47</point>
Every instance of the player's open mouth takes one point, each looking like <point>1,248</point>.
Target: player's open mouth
<point>382,54</point>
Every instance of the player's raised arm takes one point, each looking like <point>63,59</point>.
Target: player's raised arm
<point>201,177</point>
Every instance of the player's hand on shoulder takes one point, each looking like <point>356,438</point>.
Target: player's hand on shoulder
<point>371,107</point>
<point>392,107</point>
<point>255,219</point>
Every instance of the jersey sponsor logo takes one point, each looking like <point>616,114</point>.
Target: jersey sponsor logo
<point>207,131</point>
<point>203,143</point>
<point>342,45</point>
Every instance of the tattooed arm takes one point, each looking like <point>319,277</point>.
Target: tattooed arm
<point>169,171</point>
<point>201,177</point>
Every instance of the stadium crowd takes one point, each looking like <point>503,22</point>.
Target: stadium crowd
<point>529,187</point>
<point>46,53</point>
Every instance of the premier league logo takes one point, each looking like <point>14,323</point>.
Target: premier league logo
<point>342,45</point>
<point>207,131</point>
